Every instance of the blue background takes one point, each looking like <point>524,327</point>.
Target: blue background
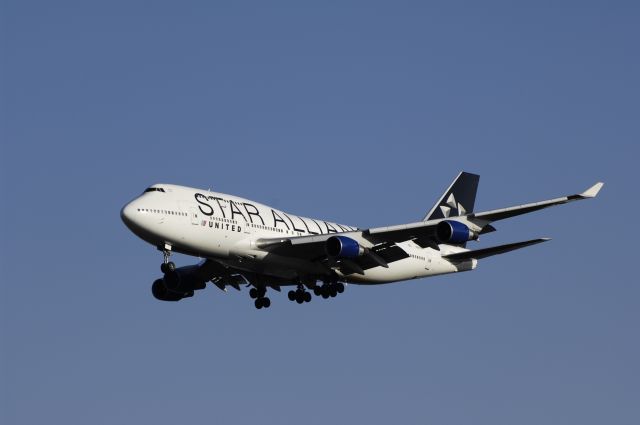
<point>358,112</point>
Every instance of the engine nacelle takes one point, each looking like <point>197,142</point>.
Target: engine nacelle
<point>454,232</point>
<point>184,279</point>
<point>343,247</point>
<point>161,292</point>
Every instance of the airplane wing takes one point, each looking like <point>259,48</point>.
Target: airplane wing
<point>424,230</point>
<point>503,213</point>
<point>216,273</point>
<point>380,242</point>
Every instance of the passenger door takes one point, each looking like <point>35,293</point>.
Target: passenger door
<point>193,211</point>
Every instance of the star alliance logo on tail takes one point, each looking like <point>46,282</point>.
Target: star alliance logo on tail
<point>452,205</point>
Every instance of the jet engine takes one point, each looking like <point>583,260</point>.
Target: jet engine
<point>454,232</point>
<point>184,279</point>
<point>343,247</point>
<point>162,293</point>
<point>178,284</point>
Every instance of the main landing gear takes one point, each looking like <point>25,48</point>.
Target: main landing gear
<point>167,266</point>
<point>329,289</point>
<point>259,294</point>
<point>299,295</point>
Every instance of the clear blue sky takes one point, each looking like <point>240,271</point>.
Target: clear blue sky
<point>359,112</point>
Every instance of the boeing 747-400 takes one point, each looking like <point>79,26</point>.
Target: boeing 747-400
<point>245,243</point>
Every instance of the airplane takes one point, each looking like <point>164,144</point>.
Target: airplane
<point>245,243</point>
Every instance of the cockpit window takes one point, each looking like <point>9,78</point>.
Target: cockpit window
<point>153,189</point>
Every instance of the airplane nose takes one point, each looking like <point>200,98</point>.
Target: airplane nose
<point>127,214</point>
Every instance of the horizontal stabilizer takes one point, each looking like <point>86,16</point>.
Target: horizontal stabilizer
<point>494,250</point>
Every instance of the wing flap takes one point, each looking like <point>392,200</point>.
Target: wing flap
<point>388,253</point>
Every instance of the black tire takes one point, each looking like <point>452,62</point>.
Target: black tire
<point>316,291</point>
<point>170,267</point>
<point>299,297</point>
<point>340,287</point>
<point>163,268</point>
<point>325,295</point>
<point>258,303</point>
<point>292,295</point>
<point>307,297</point>
<point>266,302</point>
<point>253,293</point>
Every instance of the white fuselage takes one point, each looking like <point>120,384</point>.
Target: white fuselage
<point>225,228</point>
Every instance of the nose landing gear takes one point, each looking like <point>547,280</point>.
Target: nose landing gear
<point>167,266</point>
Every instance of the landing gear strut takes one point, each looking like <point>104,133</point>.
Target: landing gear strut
<point>167,266</point>
<point>299,295</point>
<point>259,294</point>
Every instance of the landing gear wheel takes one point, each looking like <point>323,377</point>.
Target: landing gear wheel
<point>253,293</point>
<point>324,291</point>
<point>262,302</point>
<point>340,287</point>
<point>317,291</point>
<point>300,295</point>
<point>167,267</point>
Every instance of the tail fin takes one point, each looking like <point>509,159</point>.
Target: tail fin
<point>458,199</point>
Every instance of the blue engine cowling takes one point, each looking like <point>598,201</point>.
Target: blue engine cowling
<point>343,247</point>
<point>453,232</point>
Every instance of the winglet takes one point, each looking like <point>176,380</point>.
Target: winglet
<point>592,191</point>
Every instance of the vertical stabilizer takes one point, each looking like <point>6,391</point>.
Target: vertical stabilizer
<point>458,199</point>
